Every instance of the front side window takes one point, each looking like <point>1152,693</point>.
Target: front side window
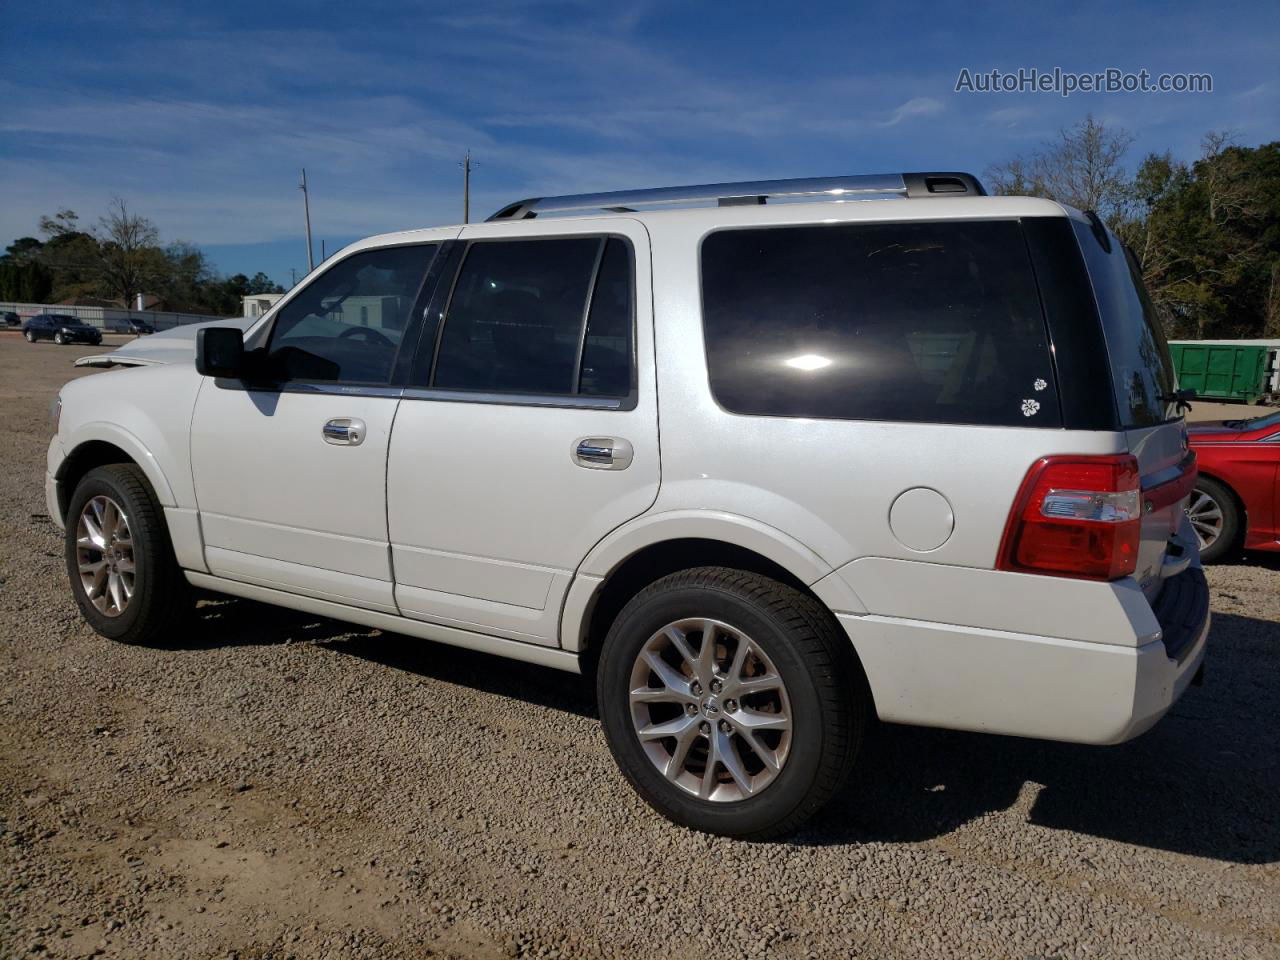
<point>547,317</point>
<point>933,322</point>
<point>347,324</point>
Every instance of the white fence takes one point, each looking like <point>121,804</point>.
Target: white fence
<point>105,317</point>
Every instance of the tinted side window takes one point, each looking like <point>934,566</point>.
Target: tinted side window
<point>606,351</point>
<point>1141,366</point>
<point>347,324</point>
<point>927,322</point>
<point>521,319</point>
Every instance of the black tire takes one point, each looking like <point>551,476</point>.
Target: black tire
<point>828,693</point>
<point>1228,542</point>
<point>161,596</point>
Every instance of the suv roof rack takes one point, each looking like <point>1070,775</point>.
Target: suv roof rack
<point>752,192</point>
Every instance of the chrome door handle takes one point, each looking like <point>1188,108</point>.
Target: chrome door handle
<point>344,431</point>
<point>603,453</point>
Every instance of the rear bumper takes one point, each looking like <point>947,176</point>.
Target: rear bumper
<point>999,681</point>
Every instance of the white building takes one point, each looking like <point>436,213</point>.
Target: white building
<point>256,304</point>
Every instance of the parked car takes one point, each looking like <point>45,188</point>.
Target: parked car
<point>1236,503</point>
<point>130,325</point>
<point>886,482</point>
<point>60,328</point>
<point>11,319</point>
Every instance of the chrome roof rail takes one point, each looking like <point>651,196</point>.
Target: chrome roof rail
<point>752,192</point>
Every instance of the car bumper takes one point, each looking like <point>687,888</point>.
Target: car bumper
<point>999,681</point>
<point>52,491</point>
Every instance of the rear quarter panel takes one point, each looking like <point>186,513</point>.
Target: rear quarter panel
<point>831,484</point>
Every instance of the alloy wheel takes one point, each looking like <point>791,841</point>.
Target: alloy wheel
<point>710,710</point>
<point>1205,514</point>
<point>104,554</point>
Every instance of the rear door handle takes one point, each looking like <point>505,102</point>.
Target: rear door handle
<point>344,431</point>
<point>603,453</point>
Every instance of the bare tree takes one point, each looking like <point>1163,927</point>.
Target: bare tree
<point>1084,167</point>
<point>130,253</point>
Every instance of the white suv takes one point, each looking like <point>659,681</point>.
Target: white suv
<point>769,469</point>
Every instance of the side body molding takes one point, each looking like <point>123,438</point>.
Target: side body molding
<point>654,528</point>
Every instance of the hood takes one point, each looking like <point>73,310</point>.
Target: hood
<point>176,345</point>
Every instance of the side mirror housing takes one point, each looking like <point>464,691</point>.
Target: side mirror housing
<point>220,352</point>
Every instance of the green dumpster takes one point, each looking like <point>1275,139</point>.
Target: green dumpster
<point>1221,371</point>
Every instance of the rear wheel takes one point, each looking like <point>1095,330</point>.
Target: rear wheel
<point>1215,517</point>
<point>732,703</point>
<point>119,559</point>
<point>31,337</point>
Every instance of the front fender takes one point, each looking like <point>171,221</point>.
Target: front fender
<point>136,450</point>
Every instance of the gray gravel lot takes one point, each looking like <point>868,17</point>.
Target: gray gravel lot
<point>278,785</point>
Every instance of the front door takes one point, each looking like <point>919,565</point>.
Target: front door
<point>528,429</point>
<point>290,472</point>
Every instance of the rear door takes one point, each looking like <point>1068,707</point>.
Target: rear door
<point>1144,382</point>
<point>529,427</point>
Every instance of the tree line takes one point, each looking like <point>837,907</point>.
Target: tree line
<point>115,260</point>
<point>1207,233</point>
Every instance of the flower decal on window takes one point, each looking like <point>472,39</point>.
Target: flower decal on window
<point>1040,384</point>
<point>1030,408</point>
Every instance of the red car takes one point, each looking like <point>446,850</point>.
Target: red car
<point>1236,502</point>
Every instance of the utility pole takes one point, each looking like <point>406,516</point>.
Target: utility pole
<point>466,187</point>
<point>306,211</point>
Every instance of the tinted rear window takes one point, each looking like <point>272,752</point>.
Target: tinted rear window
<point>1141,367</point>
<point>926,322</point>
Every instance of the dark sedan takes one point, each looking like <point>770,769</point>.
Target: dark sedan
<point>130,325</point>
<point>60,329</point>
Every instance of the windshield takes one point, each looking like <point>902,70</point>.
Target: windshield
<point>1255,423</point>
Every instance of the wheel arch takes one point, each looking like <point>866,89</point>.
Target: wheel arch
<point>99,444</point>
<point>651,547</point>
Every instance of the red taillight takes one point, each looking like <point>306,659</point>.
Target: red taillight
<point>1076,516</point>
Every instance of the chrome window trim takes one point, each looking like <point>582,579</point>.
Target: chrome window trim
<point>567,401</point>
<point>313,387</point>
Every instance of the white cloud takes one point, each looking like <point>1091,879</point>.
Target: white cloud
<point>915,107</point>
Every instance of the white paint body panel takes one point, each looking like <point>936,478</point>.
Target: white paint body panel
<point>280,505</point>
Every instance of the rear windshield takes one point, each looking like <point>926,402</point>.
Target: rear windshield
<point>925,322</point>
<point>1141,368</point>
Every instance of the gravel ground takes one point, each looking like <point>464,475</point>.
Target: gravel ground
<point>282,786</point>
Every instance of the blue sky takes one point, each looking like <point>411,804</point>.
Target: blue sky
<point>199,115</point>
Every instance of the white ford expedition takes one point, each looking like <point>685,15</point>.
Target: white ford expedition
<point>882,446</point>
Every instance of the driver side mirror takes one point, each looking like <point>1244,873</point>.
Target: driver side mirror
<point>220,352</point>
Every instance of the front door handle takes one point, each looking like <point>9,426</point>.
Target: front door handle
<point>603,453</point>
<point>344,431</point>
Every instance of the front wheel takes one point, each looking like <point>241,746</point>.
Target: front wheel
<point>123,573</point>
<point>733,703</point>
<point>59,339</point>
<point>1215,518</point>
